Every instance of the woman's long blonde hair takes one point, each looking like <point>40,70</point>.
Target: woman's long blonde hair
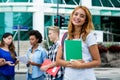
<point>87,26</point>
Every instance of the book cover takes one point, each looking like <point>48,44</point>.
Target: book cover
<point>52,71</point>
<point>73,50</point>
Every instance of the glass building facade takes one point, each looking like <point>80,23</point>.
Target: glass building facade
<point>26,15</point>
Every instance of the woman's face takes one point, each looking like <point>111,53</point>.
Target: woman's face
<point>8,40</point>
<point>79,17</point>
<point>33,40</point>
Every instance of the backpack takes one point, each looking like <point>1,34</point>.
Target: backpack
<point>63,38</point>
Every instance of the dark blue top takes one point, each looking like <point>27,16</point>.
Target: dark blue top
<point>6,69</point>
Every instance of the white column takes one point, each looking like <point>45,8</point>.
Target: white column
<point>9,22</point>
<point>87,3</point>
<point>38,16</point>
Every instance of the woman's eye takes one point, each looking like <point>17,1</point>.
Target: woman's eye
<point>82,16</point>
<point>75,14</point>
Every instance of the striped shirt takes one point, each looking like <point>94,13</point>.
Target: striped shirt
<point>52,56</point>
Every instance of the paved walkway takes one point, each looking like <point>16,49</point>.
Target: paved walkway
<point>108,73</point>
<point>101,73</point>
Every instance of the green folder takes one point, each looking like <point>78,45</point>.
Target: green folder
<point>73,50</point>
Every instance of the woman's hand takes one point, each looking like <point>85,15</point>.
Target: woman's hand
<point>2,61</point>
<point>33,63</point>
<point>17,61</point>
<point>30,63</point>
<point>76,63</point>
<point>9,63</point>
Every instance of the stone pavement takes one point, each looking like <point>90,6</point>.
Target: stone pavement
<point>101,73</point>
<point>108,73</point>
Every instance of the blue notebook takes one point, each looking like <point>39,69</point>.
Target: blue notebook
<point>73,50</point>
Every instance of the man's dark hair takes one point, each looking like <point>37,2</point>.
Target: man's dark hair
<point>37,34</point>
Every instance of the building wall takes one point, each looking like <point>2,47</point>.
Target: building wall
<point>11,19</point>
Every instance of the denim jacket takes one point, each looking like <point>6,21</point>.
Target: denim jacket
<point>38,57</point>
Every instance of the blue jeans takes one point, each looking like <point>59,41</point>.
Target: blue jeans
<point>4,77</point>
<point>38,78</point>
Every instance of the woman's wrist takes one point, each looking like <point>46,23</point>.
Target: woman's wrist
<point>67,64</point>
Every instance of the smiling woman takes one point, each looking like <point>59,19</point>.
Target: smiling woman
<point>80,28</point>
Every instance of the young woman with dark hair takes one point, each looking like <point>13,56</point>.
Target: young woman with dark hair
<point>8,57</point>
<point>36,55</point>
